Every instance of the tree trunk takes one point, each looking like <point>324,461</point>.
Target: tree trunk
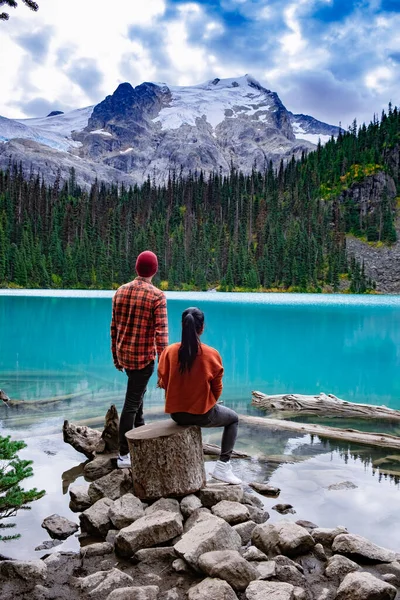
<point>167,460</point>
<point>326,405</point>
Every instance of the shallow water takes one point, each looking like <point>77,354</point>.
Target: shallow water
<point>55,345</point>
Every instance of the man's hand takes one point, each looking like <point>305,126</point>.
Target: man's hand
<point>117,366</point>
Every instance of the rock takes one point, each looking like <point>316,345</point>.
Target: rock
<point>199,515</point>
<point>245,530</point>
<point>30,572</point>
<point>343,485</point>
<point>339,566</point>
<point>214,493</point>
<point>99,466</point>
<point>389,568</point>
<point>390,578</point>
<point>319,552</point>
<point>285,561</point>
<point>169,504</point>
<point>306,524</point>
<point>172,594</point>
<point>229,566</point>
<point>111,535</point>
<point>211,589</point>
<point>109,436</point>
<point>364,586</point>
<point>283,537</point>
<point>48,544</point>
<point>253,553</point>
<point>100,584</point>
<point>325,535</point>
<point>265,489</point>
<point>125,511</point>
<point>269,590</point>
<point>252,499</point>
<point>146,592</point>
<point>79,498</point>
<point>189,504</point>
<point>83,439</point>
<point>300,593</point>
<point>266,569</point>
<point>58,527</point>
<point>114,485</point>
<point>258,515</point>
<point>152,555</point>
<point>212,534</point>
<point>289,574</point>
<point>284,509</point>
<point>359,548</point>
<point>98,549</point>
<point>95,520</point>
<point>156,528</point>
<point>232,512</point>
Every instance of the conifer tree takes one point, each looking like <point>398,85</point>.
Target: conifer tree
<point>13,4</point>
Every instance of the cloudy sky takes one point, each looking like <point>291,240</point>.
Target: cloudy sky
<point>333,59</point>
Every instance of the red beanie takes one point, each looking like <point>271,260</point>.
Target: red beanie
<point>146,264</point>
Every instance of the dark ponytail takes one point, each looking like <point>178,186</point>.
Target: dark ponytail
<point>192,326</point>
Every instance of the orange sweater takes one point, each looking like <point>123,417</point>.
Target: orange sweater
<point>196,391</point>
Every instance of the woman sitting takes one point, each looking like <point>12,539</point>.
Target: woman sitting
<point>191,374</point>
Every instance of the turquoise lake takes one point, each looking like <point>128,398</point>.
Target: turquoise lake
<point>57,343</point>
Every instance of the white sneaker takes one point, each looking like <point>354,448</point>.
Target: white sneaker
<point>124,462</point>
<point>223,472</point>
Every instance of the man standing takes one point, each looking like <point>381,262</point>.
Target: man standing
<point>139,330</point>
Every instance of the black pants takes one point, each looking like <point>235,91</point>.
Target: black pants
<point>132,413</point>
<point>218,416</point>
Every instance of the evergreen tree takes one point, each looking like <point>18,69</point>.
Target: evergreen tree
<point>13,4</point>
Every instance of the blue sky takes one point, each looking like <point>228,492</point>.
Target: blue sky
<point>333,59</point>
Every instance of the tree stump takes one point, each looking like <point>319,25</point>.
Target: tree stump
<point>167,460</point>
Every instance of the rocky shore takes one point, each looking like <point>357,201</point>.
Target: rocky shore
<point>216,544</point>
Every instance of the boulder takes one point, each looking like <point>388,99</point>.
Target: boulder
<point>325,535</point>
<point>214,493</point>
<point>150,556</point>
<point>100,584</point>
<point>392,568</point>
<point>169,504</point>
<point>181,566</point>
<point>212,534</point>
<point>253,553</point>
<point>30,572</point>
<point>99,549</point>
<point>59,528</point>
<point>211,589</point>
<point>83,439</point>
<point>79,498</point>
<point>266,569</point>
<point>284,509</point>
<point>232,512</point>
<point>245,530</point>
<point>364,586</point>
<point>199,515</point>
<point>125,511</point>
<point>265,489</point>
<point>114,485</point>
<point>145,592</point>
<point>269,590</point>
<point>360,549</point>
<point>229,566</point>
<point>339,566</point>
<point>252,499</point>
<point>99,466</point>
<point>283,537</point>
<point>258,515</point>
<point>289,574</point>
<point>319,552</point>
<point>189,504</point>
<point>156,528</point>
<point>95,520</point>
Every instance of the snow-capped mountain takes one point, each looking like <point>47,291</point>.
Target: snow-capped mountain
<point>155,128</point>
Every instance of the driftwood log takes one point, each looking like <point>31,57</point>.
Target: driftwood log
<point>167,460</point>
<point>382,440</point>
<point>91,441</point>
<point>322,405</point>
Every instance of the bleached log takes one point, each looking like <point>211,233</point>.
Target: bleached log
<point>326,405</point>
<point>382,440</point>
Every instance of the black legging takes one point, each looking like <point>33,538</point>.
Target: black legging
<point>218,416</point>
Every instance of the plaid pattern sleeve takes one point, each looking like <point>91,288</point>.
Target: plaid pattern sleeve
<point>139,325</point>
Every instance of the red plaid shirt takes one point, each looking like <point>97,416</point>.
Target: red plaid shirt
<point>139,325</point>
